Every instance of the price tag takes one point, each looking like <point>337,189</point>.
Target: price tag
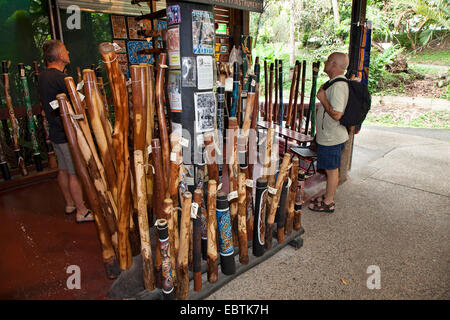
<point>116,47</point>
<point>272,191</point>
<point>54,104</point>
<point>184,142</point>
<point>128,83</point>
<point>189,181</point>
<point>289,183</point>
<point>194,210</point>
<point>200,140</point>
<point>219,187</point>
<point>81,96</point>
<point>229,84</point>
<point>249,183</point>
<point>80,85</point>
<point>173,157</point>
<point>232,195</point>
<point>149,149</point>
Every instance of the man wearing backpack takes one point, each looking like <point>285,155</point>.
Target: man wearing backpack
<point>331,135</point>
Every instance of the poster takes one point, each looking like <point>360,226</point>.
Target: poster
<point>205,72</point>
<point>205,111</point>
<point>189,72</point>
<point>133,27</point>
<point>134,47</point>
<point>173,47</point>
<point>203,31</point>
<point>174,88</point>
<point>173,15</point>
<point>119,27</point>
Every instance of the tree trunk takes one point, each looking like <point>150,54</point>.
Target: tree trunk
<point>335,12</point>
<point>292,33</point>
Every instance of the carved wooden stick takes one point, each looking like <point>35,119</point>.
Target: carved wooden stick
<point>182,260</point>
<point>212,259</point>
<point>146,249</point>
<point>242,220</point>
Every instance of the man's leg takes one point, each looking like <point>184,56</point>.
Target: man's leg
<point>77,194</point>
<point>63,182</point>
<point>332,184</point>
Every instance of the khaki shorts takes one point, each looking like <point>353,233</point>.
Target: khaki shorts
<point>64,157</point>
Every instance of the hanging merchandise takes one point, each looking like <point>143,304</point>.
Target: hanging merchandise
<point>203,32</point>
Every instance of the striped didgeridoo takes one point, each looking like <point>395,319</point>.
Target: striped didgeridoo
<point>14,123</point>
<point>292,192</point>
<point>242,219</point>
<point>4,169</point>
<point>144,231</point>
<point>197,239</point>
<point>212,256</point>
<point>162,124</point>
<point>233,172</point>
<point>226,248</point>
<point>120,144</point>
<point>291,96</point>
<point>167,268</point>
<point>260,217</point>
<point>108,254</point>
<point>30,119</point>
<point>183,253</point>
<point>299,196</point>
<point>52,163</point>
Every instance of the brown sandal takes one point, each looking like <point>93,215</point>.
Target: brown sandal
<point>85,217</point>
<point>323,207</point>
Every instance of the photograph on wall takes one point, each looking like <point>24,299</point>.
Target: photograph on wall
<point>173,15</point>
<point>189,72</point>
<point>205,111</point>
<point>205,72</point>
<point>133,27</point>
<point>203,31</point>
<point>119,27</point>
<point>122,44</point>
<point>173,47</point>
<point>174,89</point>
<point>134,47</point>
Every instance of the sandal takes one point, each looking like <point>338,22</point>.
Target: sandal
<point>322,207</point>
<point>70,210</point>
<point>316,200</point>
<point>85,217</point>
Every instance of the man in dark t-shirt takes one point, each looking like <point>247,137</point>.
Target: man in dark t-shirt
<point>51,83</point>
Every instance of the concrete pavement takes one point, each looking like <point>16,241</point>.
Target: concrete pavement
<point>392,213</point>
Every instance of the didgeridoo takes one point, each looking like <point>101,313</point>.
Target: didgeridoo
<point>243,165</point>
<point>210,155</point>
<point>170,214</point>
<point>150,107</point>
<point>167,269</point>
<point>52,163</point>
<point>30,120</point>
<point>233,172</point>
<point>234,101</point>
<point>197,241</point>
<point>275,105</point>
<point>281,212</point>
<point>14,123</point>
<point>109,257</point>
<point>302,96</point>
<point>242,219</point>
<point>291,199</point>
<point>291,96</point>
<point>183,253</point>
<point>212,258</point>
<point>260,221</point>
<point>255,115</point>
<point>144,231</point>
<point>120,143</point>
<point>226,249</point>
<point>284,169</point>
<point>139,96</point>
<point>280,83</point>
<point>295,107</point>
<point>4,169</point>
<point>266,91</point>
<point>163,131</point>
<point>312,101</point>
<point>299,196</point>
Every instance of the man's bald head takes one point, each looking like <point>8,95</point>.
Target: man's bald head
<point>336,64</point>
<point>341,60</point>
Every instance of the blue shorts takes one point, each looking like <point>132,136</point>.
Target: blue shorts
<point>329,157</point>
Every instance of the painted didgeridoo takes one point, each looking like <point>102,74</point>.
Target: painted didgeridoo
<point>169,214</point>
<point>260,221</point>
<point>14,123</point>
<point>144,231</point>
<point>120,144</point>
<point>234,101</point>
<point>226,249</point>
<point>30,120</point>
<point>52,163</point>
<point>242,219</point>
<point>167,269</point>
<point>109,257</point>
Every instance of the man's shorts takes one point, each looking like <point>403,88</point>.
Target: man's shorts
<point>64,157</point>
<point>329,157</point>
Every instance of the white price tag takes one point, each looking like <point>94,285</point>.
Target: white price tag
<point>184,142</point>
<point>229,84</point>
<point>81,96</point>
<point>173,157</point>
<point>272,190</point>
<point>116,47</point>
<point>249,183</point>
<point>149,149</point>
<point>200,140</point>
<point>219,187</point>
<point>128,83</point>
<point>54,104</point>
<point>80,85</point>
<point>189,181</point>
<point>194,210</point>
<point>232,195</point>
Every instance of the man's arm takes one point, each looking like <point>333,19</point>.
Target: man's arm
<point>321,95</point>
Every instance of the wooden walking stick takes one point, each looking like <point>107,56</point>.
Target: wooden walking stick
<point>30,119</point>
<point>291,96</point>
<point>182,259</point>
<point>212,258</point>
<point>163,131</point>
<point>242,220</point>
<point>109,257</point>
<point>295,107</point>
<point>292,193</point>
<point>302,96</point>
<point>144,231</point>
<point>52,163</point>
<point>120,143</point>
<point>167,268</point>
<point>13,120</point>
<point>197,242</point>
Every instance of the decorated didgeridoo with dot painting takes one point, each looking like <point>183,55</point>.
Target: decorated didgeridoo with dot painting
<point>299,196</point>
<point>14,123</point>
<point>167,269</point>
<point>260,217</point>
<point>30,119</point>
<point>52,163</point>
<point>120,144</point>
<point>144,231</point>
<point>226,249</point>
<point>183,253</point>
<point>291,198</point>
<point>212,257</point>
<point>108,254</point>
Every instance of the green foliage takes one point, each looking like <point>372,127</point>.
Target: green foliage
<point>378,62</point>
